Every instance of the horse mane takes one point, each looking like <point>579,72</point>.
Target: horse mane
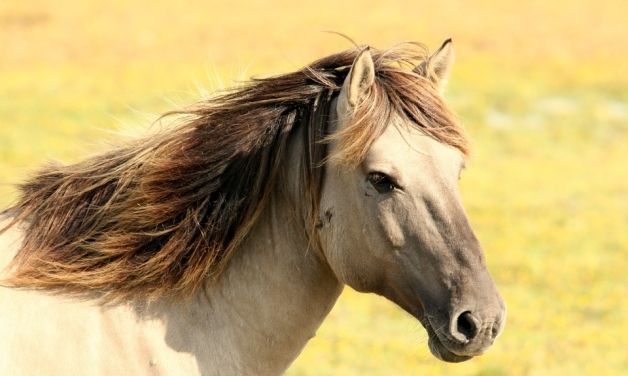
<point>160,215</point>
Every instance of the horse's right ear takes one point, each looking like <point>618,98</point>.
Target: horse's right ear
<point>358,82</point>
<point>437,67</point>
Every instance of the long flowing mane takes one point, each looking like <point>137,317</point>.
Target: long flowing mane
<point>162,214</point>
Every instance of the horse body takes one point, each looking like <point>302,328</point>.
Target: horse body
<point>219,248</point>
<point>254,321</point>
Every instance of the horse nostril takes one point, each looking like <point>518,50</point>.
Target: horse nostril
<point>495,329</point>
<point>467,326</point>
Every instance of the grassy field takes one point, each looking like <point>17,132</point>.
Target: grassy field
<point>541,87</point>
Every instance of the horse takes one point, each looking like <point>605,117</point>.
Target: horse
<point>218,245</point>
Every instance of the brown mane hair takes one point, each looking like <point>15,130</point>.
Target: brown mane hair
<point>161,215</point>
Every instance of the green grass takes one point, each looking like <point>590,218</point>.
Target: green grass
<point>541,91</point>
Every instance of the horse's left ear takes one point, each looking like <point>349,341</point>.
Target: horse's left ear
<point>358,82</point>
<point>437,67</point>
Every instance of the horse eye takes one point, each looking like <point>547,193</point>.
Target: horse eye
<point>382,182</point>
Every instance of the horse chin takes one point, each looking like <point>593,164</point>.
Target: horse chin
<point>442,353</point>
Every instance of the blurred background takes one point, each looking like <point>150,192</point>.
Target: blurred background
<point>541,86</point>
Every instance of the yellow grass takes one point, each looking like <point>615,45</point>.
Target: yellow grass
<point>541,86</point>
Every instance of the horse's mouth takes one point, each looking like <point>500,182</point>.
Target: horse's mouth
<point>438,349</point>
<point>441,352</point>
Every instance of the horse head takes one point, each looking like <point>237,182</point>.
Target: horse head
<point>394,224</point>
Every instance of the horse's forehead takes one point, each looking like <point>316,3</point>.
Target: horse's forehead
<point>407,147</point>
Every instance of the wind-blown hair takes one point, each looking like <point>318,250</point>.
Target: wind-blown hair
<point>164,214</point>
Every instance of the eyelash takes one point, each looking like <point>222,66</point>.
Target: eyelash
<point>382,182</point>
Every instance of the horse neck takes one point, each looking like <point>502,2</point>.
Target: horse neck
<point>267,304</point>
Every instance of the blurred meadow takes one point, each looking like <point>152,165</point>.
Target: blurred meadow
<point>541,86</point>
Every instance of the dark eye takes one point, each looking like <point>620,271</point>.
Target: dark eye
<point>382,182</point>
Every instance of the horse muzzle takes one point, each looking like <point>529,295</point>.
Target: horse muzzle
<point>463,335</point>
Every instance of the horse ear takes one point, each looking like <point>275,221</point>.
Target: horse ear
<point>358,82</point>
<point>438,66</point>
